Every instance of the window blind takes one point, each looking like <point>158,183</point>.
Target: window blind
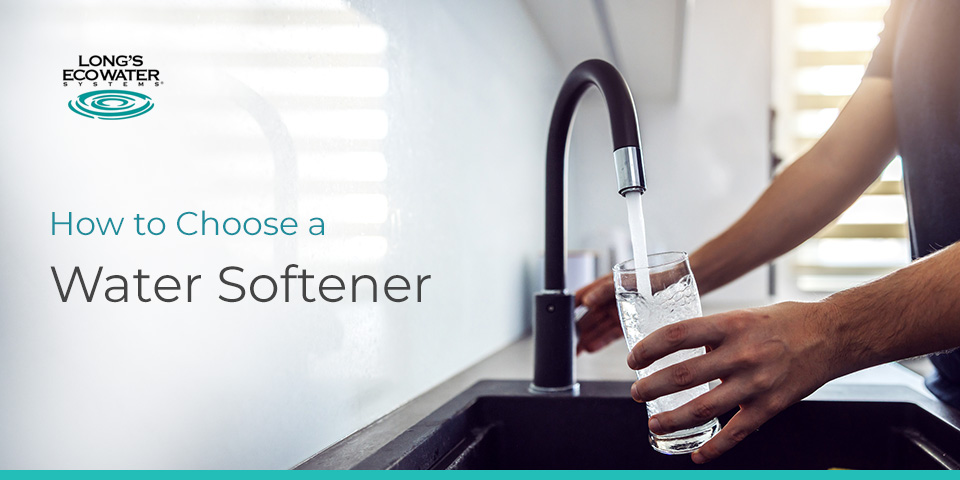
<point>826,46</point>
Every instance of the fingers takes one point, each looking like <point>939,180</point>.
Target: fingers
<point>596,344</point>
<point>596,294</point>
<point>698,411</point>
<point>598,328</point>
<point>680,376</point>
<point>745,422</point>
<point>601,324</point>
<point>692,333</point>
<point>761,355</point>
<point>611,335</point>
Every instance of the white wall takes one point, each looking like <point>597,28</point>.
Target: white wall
<point>450,185</point>
<point>706,155</point>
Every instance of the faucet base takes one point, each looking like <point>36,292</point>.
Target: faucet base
<point>569,390</point>
<point>555,340</point>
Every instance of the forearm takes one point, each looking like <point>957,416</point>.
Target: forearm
<point>809,194</point>
<point>796,206</point>
<point>913,311</point>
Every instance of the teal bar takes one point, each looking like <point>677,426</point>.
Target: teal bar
<point>500,474</point>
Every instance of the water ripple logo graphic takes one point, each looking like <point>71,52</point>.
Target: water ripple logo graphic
<point>111,104</point>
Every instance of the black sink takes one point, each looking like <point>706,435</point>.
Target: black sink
<point>499,425</point>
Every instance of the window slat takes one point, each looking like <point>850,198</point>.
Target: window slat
<point>824,270</point>
<point>885,188</point>
<point>841,14</point>
<point>814,102</point>
<point>864,230</point>
<point>820,58</point>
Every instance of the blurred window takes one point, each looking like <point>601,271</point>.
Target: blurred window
<point>820,57</point>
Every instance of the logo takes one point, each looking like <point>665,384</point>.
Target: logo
<point>111,71</point>
<point>111,104</point>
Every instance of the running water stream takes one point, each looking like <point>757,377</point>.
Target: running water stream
<point>638,236</point>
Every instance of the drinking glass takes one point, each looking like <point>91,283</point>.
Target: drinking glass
<point>668,297</point>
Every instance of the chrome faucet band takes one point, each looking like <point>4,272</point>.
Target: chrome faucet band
<point>629,174</point>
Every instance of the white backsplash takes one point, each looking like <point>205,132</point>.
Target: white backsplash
<point>415,129</point>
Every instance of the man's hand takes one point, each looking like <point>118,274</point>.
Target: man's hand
<point>767,359</point>
<point>601,324</point>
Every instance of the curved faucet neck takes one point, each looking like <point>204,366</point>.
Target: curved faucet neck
<point>623,125</point>
<point>554,328</point>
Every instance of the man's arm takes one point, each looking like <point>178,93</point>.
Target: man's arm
<point>810,193</point>
<point>804,198</point>
<point>769,358</point>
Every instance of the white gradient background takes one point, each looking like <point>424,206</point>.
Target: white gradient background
<point>415,128</point>
<point>423,156</point>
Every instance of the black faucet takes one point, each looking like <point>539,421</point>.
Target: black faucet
<point>554,330</point>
